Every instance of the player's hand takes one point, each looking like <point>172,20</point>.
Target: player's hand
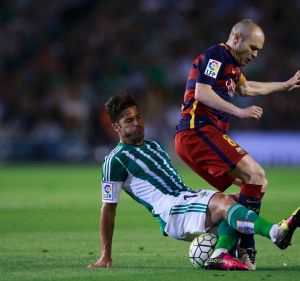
<point>294,82</point>
<point>251,112</point>
<point>104,261</point>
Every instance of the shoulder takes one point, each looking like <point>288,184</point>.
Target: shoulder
<point>112,157</point>
<point>158,149</point>
<point>154,145</point>
<point>216,50</point>
<point>214,57</point>
<point>115,152</point>
<point>112,168</point>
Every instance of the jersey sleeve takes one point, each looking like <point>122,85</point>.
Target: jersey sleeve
<point>210,66</point>
<point>114,175</point>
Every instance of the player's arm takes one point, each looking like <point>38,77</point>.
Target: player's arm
<point>206,95</point>
<point>113,176</point>
<point>107,219</point>
<point>254,88</point>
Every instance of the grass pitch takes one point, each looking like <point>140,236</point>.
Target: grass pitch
<point>49,230</point>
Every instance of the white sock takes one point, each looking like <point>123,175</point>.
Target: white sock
<point>274,232</point>
<point>217,252</point>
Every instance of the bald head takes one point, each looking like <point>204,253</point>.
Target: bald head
<point>246,28</point>
<point>246,39</point>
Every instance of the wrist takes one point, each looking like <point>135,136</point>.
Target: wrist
<point>236,111</point>
<point>286,85</point>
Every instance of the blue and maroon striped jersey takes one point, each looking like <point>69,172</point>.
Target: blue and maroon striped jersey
<point>218,68</point>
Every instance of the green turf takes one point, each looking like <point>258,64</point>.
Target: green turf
<point>49,230</point>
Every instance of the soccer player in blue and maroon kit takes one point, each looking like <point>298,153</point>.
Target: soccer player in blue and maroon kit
<point>201,140</point>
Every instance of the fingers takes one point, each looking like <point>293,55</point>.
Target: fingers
<point>294,87</point>
<point>251,112</point>
<point>294,82</point>
<point>297,74</point>
<point>297,77</point>
<point>256,112</point>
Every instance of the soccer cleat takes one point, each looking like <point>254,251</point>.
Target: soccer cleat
<point>286,230</point>
<point>248,257</point>
<point>224,262</point>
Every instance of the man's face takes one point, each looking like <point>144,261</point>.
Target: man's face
<point>130,127</point>
<point>247,49</point>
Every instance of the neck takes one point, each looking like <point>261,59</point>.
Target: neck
<point>229,46</point>
<point>137,143</point>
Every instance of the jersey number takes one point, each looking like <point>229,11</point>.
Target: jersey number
<point>185,197</point>
<point>229,140</point>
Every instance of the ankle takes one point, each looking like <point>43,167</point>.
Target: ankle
<point>218,252</point>
<point>274,232</point>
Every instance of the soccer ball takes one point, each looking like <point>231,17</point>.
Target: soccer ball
<point>201,248</point>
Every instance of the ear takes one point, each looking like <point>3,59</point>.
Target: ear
<point>116,127</point>
<point>237,38</point>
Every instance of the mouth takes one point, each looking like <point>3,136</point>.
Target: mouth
<point>247,61</point>
<point>139,131</point>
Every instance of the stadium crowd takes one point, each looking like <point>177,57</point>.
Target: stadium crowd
<point>60,60</point>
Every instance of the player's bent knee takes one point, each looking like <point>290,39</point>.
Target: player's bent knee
<point>257,174</point>
<point>261,174</point>
<point>225,203</point>
<point>265,185</point>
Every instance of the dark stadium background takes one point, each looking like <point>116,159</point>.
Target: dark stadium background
<point>61,60</point>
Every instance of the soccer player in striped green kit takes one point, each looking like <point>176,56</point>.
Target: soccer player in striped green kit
<point>142,168</point>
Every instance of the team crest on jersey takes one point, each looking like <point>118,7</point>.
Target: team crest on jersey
<point>212,68</point>
<point>107,191</point>
<point>230,87</point>
<point>202,194</point>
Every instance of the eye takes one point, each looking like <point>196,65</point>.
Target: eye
<point>254,48</point>
<point>128,120</point>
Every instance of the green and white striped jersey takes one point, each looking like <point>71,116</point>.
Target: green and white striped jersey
<point>145,172</point>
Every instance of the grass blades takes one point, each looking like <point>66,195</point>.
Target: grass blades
<point>49,221</point>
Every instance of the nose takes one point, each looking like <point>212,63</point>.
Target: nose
<point>254,54</point>
<point>136,122</point>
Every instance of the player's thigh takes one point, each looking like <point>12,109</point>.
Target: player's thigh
<point>218,207</point>
<point>202,159</point>
<point>220,153</point>
<point>246,168</point>
<point>209,148</point>
<point>209,153</point>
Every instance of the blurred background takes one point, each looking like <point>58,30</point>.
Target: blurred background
<point>61,60</point>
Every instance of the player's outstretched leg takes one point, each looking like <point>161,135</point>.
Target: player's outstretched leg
<point>286,230</point>
<point>246,221</point>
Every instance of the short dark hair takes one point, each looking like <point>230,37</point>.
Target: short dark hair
<point>115,106</point>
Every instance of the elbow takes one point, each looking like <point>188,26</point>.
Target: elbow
<point>197,96</point>
<point>204,98</point>
<point>247,90</point>
<point>200,93</point>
